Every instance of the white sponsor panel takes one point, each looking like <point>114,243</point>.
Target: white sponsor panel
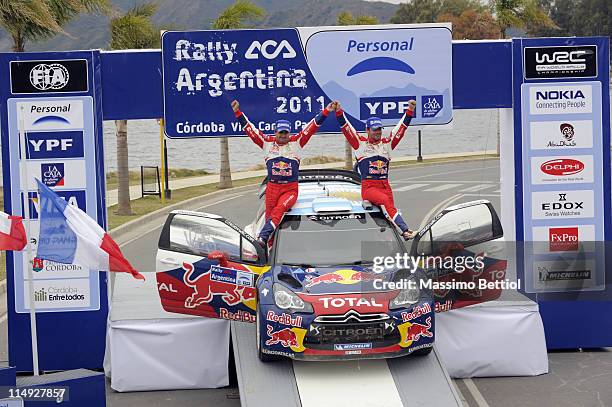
<point>562,169</point>
<point>562,204</point>
<point>564,275</point>
<point>560,99</point>
<point>54,294</point>
<point>60,114</point>
<point>564,239</point>
<point>58,174</point>
<point>561,134</point>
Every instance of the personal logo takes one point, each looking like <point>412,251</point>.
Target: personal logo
<point>562,167</point>
<point>53,174</point>
<point>431,105</point>
<point>49,76</point>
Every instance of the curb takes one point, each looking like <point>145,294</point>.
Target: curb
<point>117,232</point>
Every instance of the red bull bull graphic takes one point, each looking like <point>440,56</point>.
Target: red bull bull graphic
<point>207,285</point>
<point>378,167</point>
<point>282,169</point>
<point>411,332</point>
<point>344,276</point>
<point>286,337</point>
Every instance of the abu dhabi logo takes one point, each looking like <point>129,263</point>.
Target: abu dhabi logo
<point>49,76</point>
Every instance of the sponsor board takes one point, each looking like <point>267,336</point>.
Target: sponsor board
<point>54,145</point>
<point>564,239</point>
<point>70,174</point>
<point>52,114</point>
<point>578,61</point>
<point>561,134</point>
<point>73,197</point>
<point>58,76</point>
<point>560,99</point>
<point>566,204</point>
<point>562,274</point>
<point>57,294</point>
<point>562,169</point>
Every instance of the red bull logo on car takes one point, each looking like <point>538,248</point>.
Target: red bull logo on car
<point>412,331</point>
<point>205,288</point>
<point>285,337</point>
<point>343,276</point>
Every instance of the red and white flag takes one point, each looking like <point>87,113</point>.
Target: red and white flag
<point>12,232</point>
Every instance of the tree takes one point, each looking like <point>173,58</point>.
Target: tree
<point>346,18</point>
<point>132,30</point>
<point>427,11</point>
<point>524,14</point>
<point>472,25</point>
<point>33,20</point>
<point>238,15</point>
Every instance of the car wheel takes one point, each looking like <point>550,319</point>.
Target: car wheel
<point>264,357</point>
<point>423,351</point>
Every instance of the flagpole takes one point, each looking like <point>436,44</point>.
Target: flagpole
<point>26,209</point>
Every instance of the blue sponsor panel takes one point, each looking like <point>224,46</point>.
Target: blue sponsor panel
<point>55,98</point>
<point>562,192</point>
<point>55,144</point>
<point>275,77</point>
<point>388,107</point>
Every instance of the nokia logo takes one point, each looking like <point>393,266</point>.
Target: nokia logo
<point>559,94</point>
<point>270,49</point>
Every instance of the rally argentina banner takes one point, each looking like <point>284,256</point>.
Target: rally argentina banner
<point>293,73</point>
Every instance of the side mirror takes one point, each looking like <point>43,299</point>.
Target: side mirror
<point>219,256</point>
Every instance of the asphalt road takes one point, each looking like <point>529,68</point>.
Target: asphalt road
<point>576,378</point>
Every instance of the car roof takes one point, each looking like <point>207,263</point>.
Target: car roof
<point>329,196</point>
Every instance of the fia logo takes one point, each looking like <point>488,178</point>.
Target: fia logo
<point>270,49</point>
<point>49,76</point>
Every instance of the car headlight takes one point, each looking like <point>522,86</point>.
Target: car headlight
<point>407,296</point>
<point>287,299</point>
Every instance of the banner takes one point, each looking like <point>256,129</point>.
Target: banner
<point>293,73</point>
<point>54,99</point>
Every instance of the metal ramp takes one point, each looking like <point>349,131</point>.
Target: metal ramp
<point>414,381</point>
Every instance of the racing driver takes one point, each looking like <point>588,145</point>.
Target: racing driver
<point>282,157</point>
<point>373,155</point>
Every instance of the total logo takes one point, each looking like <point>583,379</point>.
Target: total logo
<point>563,239</point>
<point>49,76</point>
<point>341,302</point>
<point>562,167</point>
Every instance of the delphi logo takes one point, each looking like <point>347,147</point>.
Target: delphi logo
<point>562,167</point>
<point>561,62</point>
<point>49,76</point>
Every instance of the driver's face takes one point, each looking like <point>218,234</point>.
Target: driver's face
<point>282,137</point>
<point>375,134</point>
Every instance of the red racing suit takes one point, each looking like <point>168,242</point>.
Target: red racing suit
<point>373,164</point>
<point>282,163</point>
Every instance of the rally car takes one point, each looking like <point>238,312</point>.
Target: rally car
<point>317,291</point>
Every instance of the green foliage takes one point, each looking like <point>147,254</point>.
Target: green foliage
<point>134,29</point>
<point>238,15</point>
<point>347,18</point>
<point>33,20</point>
<point>524,14</point>
<point>427,11</point>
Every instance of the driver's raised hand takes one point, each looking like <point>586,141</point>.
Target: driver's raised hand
<point>235,105</point>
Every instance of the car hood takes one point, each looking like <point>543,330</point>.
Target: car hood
<point>332,280</point>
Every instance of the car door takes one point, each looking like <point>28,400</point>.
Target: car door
<point>208,266</point>
<point>462,253</point>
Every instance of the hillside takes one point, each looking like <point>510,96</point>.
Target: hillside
<point>88,32</point>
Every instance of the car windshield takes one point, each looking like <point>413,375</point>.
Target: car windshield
<point>333,239</point>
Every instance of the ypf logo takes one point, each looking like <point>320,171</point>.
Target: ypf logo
<point>270,49</point>
<point>49,76</point>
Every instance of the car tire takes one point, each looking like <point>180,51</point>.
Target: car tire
<point>423,351</point>
<point>264,357</point>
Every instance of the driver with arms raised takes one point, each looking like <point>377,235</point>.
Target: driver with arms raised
<point>282,155</point>
<point>373,153</point>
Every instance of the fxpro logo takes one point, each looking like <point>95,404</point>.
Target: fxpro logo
<point>563,239</point>
<point>270,49</point>
<point>49,76</point>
